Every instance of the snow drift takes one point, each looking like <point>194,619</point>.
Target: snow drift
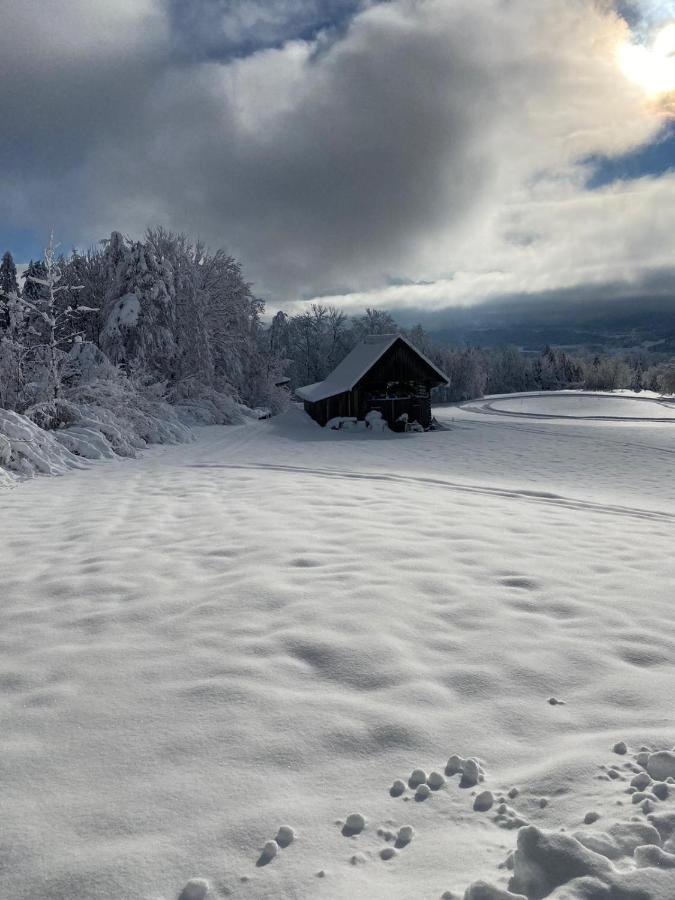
<point>407,651</point>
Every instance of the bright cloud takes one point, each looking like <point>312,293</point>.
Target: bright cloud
<point>429,141</point>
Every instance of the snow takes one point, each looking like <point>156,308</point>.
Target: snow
<point>355,365</point>
<point>103,420</point>
<point>124,314</point>
<point>33,450</point>
<point>575,405</point>
<point>277,623</point>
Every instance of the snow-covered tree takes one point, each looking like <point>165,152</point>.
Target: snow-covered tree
<point>637,383</point>
<point>139,310</point>
<point>88,271</point>
<point>181,315</point>
<point>8,281</point>
<point>55,332</point>
<point>8,285</point>
<point>316,341</point>
<point>375,321</point>
<point>32,289</point>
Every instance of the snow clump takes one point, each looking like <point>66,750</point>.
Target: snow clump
<point>355,823</point>
<point>661,765</point>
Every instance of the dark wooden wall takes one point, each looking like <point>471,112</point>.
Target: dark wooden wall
<point>324,410</point>
<point>399,365</point>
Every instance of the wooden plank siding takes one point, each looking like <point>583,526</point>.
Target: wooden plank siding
<point>399,363</point>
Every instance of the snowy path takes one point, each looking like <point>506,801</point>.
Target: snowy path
<point>272,624</point>
<point>577,405</point>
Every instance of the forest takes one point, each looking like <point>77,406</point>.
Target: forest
<point>134,341</point>
<point>311,344</point>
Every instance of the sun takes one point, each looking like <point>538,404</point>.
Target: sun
<point>651,66</point>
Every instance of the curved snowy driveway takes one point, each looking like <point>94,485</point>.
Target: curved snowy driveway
<point>576,405</point>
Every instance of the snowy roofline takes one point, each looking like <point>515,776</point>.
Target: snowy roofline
<point>355,365</point>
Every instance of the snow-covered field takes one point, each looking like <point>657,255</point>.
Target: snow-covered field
<point>272,624</point>
<point>577,405</point>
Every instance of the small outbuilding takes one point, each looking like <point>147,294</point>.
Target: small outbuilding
<point>384,373</point>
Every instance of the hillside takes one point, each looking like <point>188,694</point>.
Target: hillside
<point>270,625</point>
<point>596,324</point>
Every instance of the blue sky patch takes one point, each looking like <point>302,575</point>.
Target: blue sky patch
<point>655,158</point>
<point>219,30</point>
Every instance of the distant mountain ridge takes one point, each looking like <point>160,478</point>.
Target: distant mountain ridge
<point>595,324</point>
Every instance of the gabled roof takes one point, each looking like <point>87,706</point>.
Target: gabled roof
<point>355,365</point>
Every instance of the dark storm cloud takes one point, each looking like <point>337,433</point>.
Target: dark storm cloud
<point>642,311</point>
<point>70,84</point>
<point>295,162</point>
<point>340,163</point>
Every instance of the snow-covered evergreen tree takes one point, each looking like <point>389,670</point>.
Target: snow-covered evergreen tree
<point>139,311</point>
<point>8,280</point>
<point>176,317</point>
<point>41,298</point>
<point>32,289</point>
<point>8,286</point>
<point>181,315</point>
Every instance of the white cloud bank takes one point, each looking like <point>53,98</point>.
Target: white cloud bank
<point>434,140</point>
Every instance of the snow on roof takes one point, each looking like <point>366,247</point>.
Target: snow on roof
<point>355,365</point>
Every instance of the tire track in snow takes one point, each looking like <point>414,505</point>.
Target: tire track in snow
<point>484,490</point>
<point>558,435</point>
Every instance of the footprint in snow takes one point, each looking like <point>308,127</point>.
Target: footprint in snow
<point>269,851</point>
<point>397,788</point>
<point>422,792</point>
<point>195,889</point>
<point>354,824</point>
<point>285,836</point>
<point>405,835</point>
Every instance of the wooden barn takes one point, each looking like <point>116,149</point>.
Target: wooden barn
<point>384,373</point>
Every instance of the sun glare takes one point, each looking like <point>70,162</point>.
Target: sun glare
<point>651,66</point>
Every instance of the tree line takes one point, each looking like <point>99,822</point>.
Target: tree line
<point>162,311</point>
<point>167,313</point>
<point>313,342</point>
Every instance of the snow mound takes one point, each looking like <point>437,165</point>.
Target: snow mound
<point>33,451</point>
<point>107,418</point>
<point>103,419</point>
<point>210,408</point>
<point>89,443</point>
<point>550,864</point>
<point>6,479</point>
<point>375,421</point>
<point>5,450</point>
<point>86,362</point>
<point>134,416</point>
<point>579,405</point>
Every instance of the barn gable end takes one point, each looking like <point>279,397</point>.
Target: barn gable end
<point>384,373</point>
